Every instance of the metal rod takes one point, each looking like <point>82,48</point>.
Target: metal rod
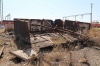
<point>91,15</point>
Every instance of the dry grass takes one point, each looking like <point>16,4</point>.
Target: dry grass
<point>54,58</point>
<point>94,32</point>
<point>94,35</point>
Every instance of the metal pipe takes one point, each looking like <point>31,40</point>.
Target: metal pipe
<point>91,15</point>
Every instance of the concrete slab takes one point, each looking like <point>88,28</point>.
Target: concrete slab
<point>25,54</point>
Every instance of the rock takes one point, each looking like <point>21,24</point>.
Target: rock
<point>76,47</point>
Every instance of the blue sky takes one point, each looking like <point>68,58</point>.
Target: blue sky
<point>51,9</point>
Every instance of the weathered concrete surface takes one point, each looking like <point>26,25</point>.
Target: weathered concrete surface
<point>41,42</point>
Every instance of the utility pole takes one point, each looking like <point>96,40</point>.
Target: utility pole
<point>91,12</point>
<point>75,17</point>
<point>2,9</point>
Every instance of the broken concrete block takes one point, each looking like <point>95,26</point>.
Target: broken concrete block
<point>26,54</point>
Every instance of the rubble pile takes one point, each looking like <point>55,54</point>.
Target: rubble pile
<point>49,49</point>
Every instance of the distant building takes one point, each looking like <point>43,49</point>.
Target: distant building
<point>9,24</point>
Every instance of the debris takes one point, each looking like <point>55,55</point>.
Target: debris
<point>25,55</point>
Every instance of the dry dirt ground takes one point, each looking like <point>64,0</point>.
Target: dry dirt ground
<point>57,57</point>
<point>72,58</point>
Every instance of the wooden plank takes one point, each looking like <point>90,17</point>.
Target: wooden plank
<point>1,51</point>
